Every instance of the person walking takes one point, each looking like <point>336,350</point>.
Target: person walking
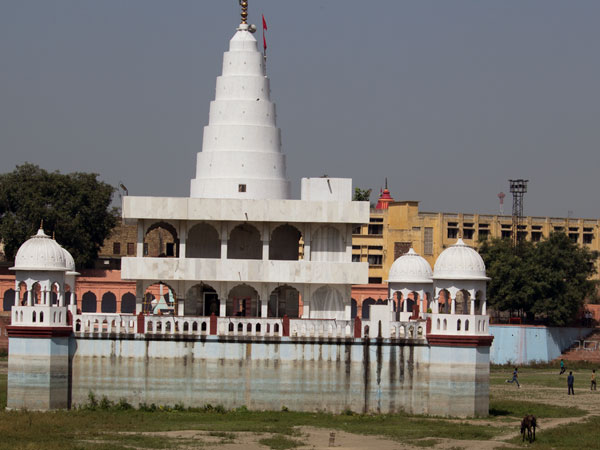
<point>593,381</point>
<point>570,381</point>
<point>515,378</point>
<point>562,367</point>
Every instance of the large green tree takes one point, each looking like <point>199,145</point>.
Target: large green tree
<point>548,280</point>
<point>75,207</point>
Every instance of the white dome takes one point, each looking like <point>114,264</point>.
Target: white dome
<point>69,262</point>
<point>459,262</point>
<point>410,268</point>
<point>40,252</point>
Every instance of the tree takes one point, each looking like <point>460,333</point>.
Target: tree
<point>361,195</point>
<point>75,207</point>
<point>549,279</point>
<point>564,271</point>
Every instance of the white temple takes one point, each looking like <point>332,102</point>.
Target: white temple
<point>244,247</point>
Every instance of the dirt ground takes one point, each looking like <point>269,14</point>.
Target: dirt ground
<point>317,438</point>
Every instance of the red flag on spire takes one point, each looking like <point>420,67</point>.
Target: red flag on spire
<point>264,28</point>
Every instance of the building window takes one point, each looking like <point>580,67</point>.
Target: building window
<point>428,250</point>
<point>506,234</point>
<point>130,248</point>
<point>375,229</point>
<point>559,229</point>
<point>536,236</point>
<point>452,233</point>
<point>145,249</point>
<point>587,238</point>
<point>356,229</point>
<point>355,258</point>
<point>376,219</point>
<point>484,234</point>
<point>241,188</point>
<point>521,235</point>
<point>375,247</point>
<point>375,260</point>
<point>468,233</point>
<point>574,237</point>
<point>170,249</point>
<point>356,247</point>
<point>116,248</point>
<point>375,280</point>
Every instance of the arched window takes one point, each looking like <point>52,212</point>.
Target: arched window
<point>9,300</point>
<point>88,302</point>
<point>109,303</point>
<point>365,308</point>
<point>128,303</point>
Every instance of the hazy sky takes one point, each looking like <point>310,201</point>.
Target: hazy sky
<point>448,99</point>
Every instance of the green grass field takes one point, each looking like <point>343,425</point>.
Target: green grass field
<point>106,426</point>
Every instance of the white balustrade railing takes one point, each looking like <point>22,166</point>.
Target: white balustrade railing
<point>249,326</point>
<point>39,315</point>
<point>105,323</point>
<point>459,324</point>
<point>321,328</point>
<point>441,324</point>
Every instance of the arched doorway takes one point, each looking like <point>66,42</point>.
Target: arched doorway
<point>285,243</point>
<point>201,300</point>
<point>159,298</point>
<point>203,242</point>
<point>161,241</point>
<point>244,243</point>
<point>327,303</point>
<point>284,300</point>
<point>242,301</point>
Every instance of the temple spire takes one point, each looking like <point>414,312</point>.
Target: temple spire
<point>244,5</point>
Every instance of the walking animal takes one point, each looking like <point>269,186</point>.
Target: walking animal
<point>528,423</point>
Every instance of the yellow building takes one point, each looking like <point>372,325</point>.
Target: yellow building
<point>392,231</point>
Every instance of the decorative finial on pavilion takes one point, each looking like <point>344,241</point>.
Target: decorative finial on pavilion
<point>42,224</point>
<point>244,5</point>
<point>386,182</point>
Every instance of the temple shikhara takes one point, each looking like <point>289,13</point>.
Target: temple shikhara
<point>256,306</point>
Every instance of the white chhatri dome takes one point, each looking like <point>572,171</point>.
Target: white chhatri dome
<point>410,268</point>
<point>69,262</point>
<point>459,262</point>
<point>40,252</point>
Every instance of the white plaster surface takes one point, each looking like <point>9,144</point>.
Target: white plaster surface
<point>240,270</point>
<point>269,210</point>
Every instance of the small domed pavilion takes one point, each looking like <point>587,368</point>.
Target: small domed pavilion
<point>460,281</point>
<point>410,274</point>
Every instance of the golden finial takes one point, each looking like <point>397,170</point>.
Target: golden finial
<point>244,5</point>
<point>42,224</point>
